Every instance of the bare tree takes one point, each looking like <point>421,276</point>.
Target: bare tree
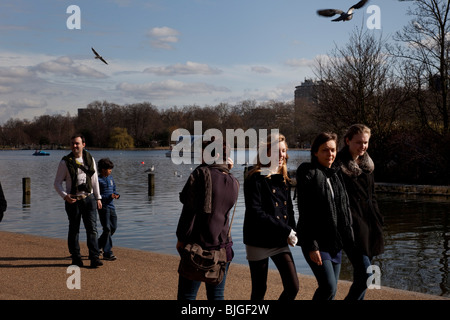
<point>357,85</point>
<point>427,48</point>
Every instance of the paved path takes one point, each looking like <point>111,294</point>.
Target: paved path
<point>36,268</point>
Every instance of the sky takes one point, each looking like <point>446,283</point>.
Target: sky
<point>168,52</point>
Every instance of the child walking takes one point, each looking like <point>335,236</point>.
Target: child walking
<point>107,213</point>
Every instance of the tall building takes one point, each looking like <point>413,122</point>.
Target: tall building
<point>305,90</point>
<point>306,93</point>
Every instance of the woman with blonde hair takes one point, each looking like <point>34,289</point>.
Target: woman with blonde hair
<point>358,173</point>
<point>269,219</point>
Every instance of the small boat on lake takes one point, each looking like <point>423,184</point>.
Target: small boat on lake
<point>41,153</point>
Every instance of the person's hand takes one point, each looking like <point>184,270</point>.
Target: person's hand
<point>315,257</point>
<point>99,204</point>
<point>180,246</point>
<point>69,199</point>
<point>230,163</point>
<point>292,238</point>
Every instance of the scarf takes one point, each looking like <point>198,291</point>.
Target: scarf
<point>354,168</point>
<point>87,167</point>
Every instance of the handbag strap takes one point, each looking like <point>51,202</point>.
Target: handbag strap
<point>234,210</point>
<point>232,218</point>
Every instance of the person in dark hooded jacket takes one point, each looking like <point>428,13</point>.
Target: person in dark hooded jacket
<point>358,171</point>
<point>208,197</point>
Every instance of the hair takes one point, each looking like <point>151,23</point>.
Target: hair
<point>321,138</point>
<point>78,135</point>
<point>354,130</point>
<point>105,163</point>
<point>273,137</point>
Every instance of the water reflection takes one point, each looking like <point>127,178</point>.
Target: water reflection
<point>417,229</point>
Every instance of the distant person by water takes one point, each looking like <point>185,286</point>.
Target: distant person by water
<point>3,203</point>
<point>107,213</point>
<point>82,198</point>
<point>358,172</point>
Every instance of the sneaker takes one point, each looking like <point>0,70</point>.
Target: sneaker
<point>109,257</point>
<point>96,262</point>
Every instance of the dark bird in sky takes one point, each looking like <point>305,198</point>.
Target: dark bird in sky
<point>97,56</point>
<point>344,16</point>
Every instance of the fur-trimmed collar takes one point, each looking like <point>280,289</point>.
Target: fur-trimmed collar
<point>354,168</point>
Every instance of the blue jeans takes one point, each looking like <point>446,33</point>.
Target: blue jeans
<point>327,276</point>
<point>188,289</point>
<point>108,219</point>
<point>360,263</point>
<point>85,209</point>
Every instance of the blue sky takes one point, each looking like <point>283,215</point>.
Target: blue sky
<point>167,52</point>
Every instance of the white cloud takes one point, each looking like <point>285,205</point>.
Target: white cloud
<point>260,69</point>
<point>299,63</point>
<point>16,108</point>
<point>282,92</point>
<point>65,66</point>
<point>12,77</point>
<point>166,89</point>
<point>183,69</point>
<point>16,74</point>
<point>163,37</point>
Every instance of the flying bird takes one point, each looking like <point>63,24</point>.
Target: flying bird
<point>344,16</point>
<point>97,56</point>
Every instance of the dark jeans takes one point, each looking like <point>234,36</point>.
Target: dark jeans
<point>327,276</point>
<point>108,219</point>
<point>85,209</point>
<point>360,263</point>
<point>286,267</point>
<point>188,289</point>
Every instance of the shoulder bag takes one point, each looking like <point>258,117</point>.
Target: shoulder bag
<point>199,264</point>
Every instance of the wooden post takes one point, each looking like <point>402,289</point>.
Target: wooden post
<point>151,184</point>
<point>26,190</point>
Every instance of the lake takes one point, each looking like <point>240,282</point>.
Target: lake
<point>417,228</point>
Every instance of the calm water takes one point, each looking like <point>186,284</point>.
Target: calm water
<point>417,230</point>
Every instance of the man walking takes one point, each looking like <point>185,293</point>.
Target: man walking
<point>82,198</point>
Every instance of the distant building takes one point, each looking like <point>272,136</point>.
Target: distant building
<point>305,90</point>
<point>306,93</point>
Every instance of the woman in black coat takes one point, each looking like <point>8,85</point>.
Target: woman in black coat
<point>324,223</point>
<point>269,224</point>
<point>357,168</point>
